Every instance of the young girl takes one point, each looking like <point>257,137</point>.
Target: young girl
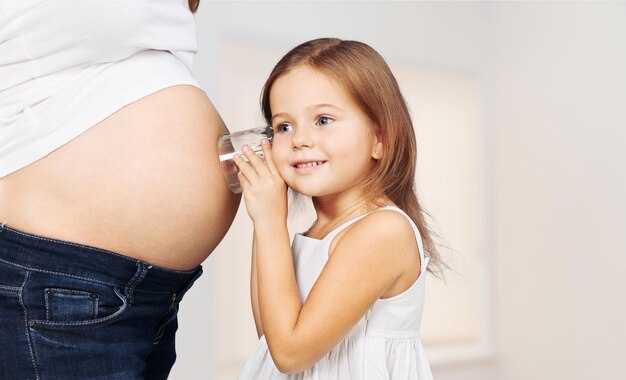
<point>345,302</point>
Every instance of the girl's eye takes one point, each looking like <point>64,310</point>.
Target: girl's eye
<point>283,128</point>
<point>324,120</point>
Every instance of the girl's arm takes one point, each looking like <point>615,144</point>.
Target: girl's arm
<point>370,257</point>
<point>253,292</point>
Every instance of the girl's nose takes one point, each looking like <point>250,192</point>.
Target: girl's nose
<point>302,139</point>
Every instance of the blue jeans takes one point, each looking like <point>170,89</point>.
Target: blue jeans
<point>69,311</point>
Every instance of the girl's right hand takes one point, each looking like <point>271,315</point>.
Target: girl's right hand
<point>264,190</point>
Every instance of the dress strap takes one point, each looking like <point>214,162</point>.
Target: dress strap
<point>331,235</point>
<point>418,237</point>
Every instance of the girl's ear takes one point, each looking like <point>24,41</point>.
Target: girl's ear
<point>377,149</point>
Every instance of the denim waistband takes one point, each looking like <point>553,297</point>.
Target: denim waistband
<point>40,253</point>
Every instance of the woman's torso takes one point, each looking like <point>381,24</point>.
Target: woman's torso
<point>142,177</point>
<point>132,186</point>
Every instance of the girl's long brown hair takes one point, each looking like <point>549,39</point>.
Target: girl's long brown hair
<point>365,76</point>
<point>193,5</point>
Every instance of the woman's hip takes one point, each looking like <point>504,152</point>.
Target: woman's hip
<point>74,311</point>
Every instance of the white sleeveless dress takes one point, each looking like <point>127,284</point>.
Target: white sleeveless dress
<point>384,344</point>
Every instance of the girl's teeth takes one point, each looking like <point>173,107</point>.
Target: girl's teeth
<point>309,164</point>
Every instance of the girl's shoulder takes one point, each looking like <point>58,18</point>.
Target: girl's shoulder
<point>388,243</point>
<point>384,230</point>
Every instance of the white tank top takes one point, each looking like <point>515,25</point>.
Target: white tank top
<point>384,344</point>
<point>66,65</point>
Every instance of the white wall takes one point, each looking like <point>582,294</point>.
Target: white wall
<point>555,87</point>
<point>428,34</point>
<point>558,119</point>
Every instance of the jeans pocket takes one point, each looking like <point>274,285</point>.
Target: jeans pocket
<point>70,305</point>
<point>59,302</point>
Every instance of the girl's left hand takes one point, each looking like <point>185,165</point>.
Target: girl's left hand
<point>264,190</point>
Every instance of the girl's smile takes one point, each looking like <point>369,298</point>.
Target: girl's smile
<point>308,166</point>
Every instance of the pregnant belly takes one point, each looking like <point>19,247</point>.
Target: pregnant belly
<point>145,182</point>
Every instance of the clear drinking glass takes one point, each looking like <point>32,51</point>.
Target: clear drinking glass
<point>230,144</point>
